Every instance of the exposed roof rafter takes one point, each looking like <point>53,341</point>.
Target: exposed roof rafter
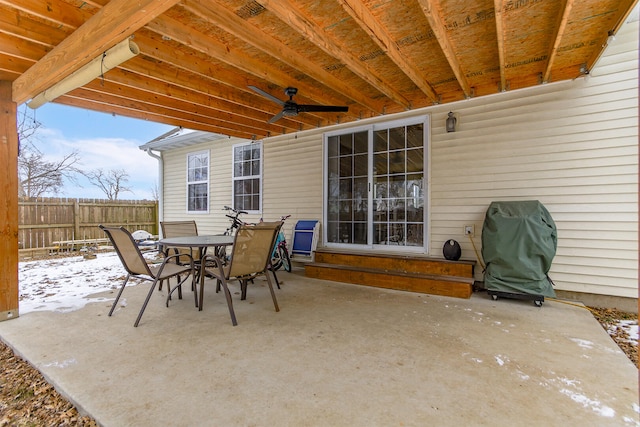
<point>433,13</point>
<point>557,38</point>
<point>198,57</point>
<point>235,25</point>
<point>305,25</point>
<point>378,34</point>
<point>500,37</point>
<point>112,24</point>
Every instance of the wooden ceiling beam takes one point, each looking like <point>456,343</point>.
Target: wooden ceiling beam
<point>238,27</point>
<point>21,48</point>
<point>193,102</point>
<point>160,60</point>
<point>110,25</point>
<point>141,66</point>
<point>197,87</point>
<point>433,12</point>
<point>557,39</point>
<point>500,36</point>
<point>37,46</point>
<point>303,24</point>
<point>376,31</point>
<point>16,23</point>
<point>14,65</point>
<point>169,55</point>
<point>123,99</point>
<point>57,12</point>
<point>181,33</point>
<point>101,106</point>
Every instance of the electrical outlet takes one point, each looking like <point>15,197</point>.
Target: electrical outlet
<point>469,230</point>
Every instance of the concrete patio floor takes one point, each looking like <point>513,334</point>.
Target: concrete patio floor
<point>335,355</point>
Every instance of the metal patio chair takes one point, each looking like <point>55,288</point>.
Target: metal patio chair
<point>179,229</point>
<point>250,257</point>
<point>137,266</point>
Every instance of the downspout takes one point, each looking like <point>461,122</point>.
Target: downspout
<point>160,185</point>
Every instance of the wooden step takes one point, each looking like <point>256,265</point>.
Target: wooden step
<point>413,273</point>
<point>397,262</point>
<point>459,287</point>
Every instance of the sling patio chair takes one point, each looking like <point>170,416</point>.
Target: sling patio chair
<point>179,229</point>
<point>137,266</point>
<point>250,257</point>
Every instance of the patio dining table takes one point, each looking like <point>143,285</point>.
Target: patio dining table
<point>202,243</point>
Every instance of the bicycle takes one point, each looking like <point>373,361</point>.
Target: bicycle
<point>280,256</point>
<point>236,222</point>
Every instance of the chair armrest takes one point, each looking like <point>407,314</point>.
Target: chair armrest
<point>176,257</point>
<point>211,263</point>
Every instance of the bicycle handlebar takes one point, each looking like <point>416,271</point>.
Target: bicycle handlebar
<point>237,212</point>
<point>237,221</point>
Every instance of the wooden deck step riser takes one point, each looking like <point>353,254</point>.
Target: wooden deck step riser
<point>428,285</point>
<point>397,263</point>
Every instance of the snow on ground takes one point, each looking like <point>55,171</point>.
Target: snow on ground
<point>629,326</point>
<point>66,284</point>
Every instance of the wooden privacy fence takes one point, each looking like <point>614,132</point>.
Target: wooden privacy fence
<point>43,221</point>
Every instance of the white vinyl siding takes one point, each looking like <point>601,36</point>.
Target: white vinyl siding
<point>174,182</point>
<point>571,145</point>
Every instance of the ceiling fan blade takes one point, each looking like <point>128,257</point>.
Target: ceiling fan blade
<point>276,117</point>
<point>267,95</point>
<point>322,108</point>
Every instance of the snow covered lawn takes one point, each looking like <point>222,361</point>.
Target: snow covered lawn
<point>67,284</point>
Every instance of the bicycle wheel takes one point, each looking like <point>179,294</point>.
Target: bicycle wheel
<point>276,260</point>
<point>284,258</point>
<point>221,251</point>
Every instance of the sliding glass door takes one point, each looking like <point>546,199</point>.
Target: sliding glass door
<point>375,186</point>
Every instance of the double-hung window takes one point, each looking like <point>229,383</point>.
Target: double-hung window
<point>198,182</point>
<point>247,177</point>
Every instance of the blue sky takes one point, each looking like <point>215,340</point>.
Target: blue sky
<point>103,141</point>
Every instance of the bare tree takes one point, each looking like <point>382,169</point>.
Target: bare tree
<point>155,192</point>
<point>37,175</point>
<point>27,127</point>
<point>112,182</point>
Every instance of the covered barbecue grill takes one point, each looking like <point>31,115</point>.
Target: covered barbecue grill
<point>519,241</point>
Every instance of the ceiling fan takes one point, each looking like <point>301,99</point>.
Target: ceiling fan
<point>291,108</point>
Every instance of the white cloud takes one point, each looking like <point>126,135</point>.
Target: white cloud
<point>106,154</point>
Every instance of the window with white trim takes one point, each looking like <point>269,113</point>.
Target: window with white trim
<point>247,177</point>
<point>198,182</point>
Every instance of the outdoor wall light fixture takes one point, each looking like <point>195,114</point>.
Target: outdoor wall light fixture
<point>451,122</point>
<point>111,58</point>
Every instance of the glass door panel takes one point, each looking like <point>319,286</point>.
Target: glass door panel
<point>398,208</point>
<point>347,199</point>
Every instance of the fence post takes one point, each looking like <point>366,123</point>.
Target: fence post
<point>76,218</point>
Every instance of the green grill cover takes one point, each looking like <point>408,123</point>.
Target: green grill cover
<point>519,241</point>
